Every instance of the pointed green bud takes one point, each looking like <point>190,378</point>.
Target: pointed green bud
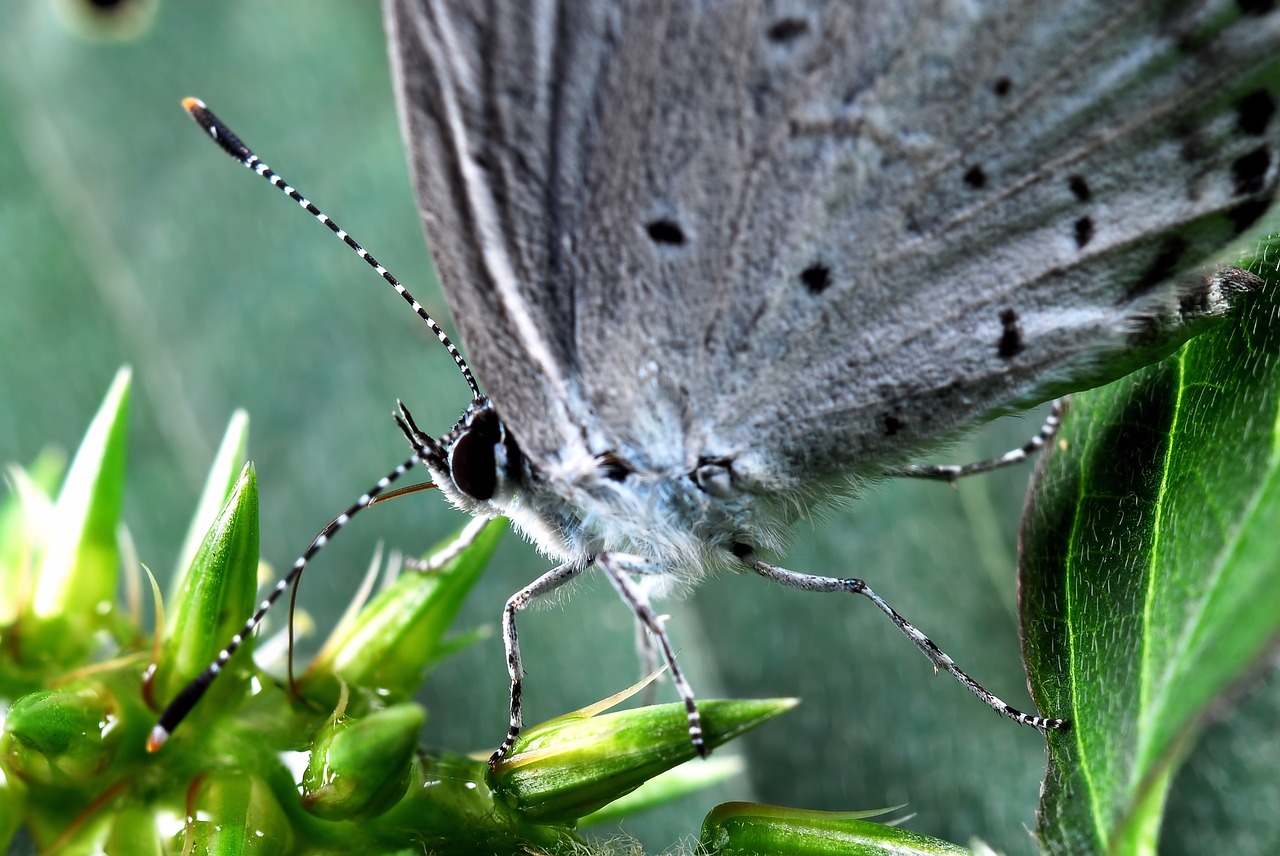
<point>749,829</point>
<point>75,589</point>
<point>235,814</point>
<point>13,803</point>
<point>360,768</point>
<point>65,736</point>
<point>224,472</point>
<point>389,647</point>
<point>216,595</point>
<point>571,766</point>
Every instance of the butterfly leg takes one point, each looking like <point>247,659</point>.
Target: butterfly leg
<point>448,552</point>
<point>940,660</point>
<point>634,596</point>
<point>548,582</point>
<point>1014,456</point>
<point>647,653</point>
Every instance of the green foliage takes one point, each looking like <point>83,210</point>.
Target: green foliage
<point>1150,574</point>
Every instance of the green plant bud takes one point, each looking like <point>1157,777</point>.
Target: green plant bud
<point>216,594</point>
<point>65,736</point>
<point>569,767</point>
<point>75,587</point>
<point>360,768</point>
<point>224,472</point>
<point>750,829</point>
<point>399,635</point>
<point>235,814</point>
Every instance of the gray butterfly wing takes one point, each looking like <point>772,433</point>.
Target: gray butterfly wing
<point>815,236</point>
<point>488,95</point>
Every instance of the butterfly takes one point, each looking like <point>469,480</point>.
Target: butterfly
<point>717,263</point>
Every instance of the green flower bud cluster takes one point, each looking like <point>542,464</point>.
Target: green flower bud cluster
<point>333,766</point>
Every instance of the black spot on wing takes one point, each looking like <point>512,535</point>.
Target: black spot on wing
<point>1011,343</point>
<point>1002,86</point>
<point>892,425</point>
<point>1083,231</point>
<point>1256,7</point>
<point>1079,188</point>
<point>816,278</point>
<point>1254,112</point>
<point>786,30</point>
<point>1249,172</point>
<point>975,177</point>
<point>665,232</point>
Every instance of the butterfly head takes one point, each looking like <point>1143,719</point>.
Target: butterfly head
<point>478,464</point>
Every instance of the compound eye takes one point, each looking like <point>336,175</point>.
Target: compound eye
<point>473,463</point>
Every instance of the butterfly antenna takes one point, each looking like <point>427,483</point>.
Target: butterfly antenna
<point>232,145</point>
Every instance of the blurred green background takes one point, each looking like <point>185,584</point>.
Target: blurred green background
<point>125,237</point>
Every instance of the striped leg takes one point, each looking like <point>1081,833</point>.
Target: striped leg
<point>634,597</point>
<point>548,582</point>
<point>940,660</point>
<point>190,695</point>
<point>1014,456</point>
<point>647,653</point>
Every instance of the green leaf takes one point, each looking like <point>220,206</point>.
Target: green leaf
<point>75,586</point>
<point>1149,573</point>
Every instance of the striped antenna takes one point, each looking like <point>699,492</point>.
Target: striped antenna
<point>232,145</point>
<point>425,448</point>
